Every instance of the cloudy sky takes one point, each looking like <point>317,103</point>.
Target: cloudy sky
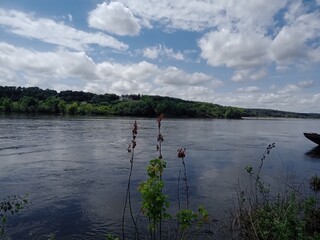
<point>246,53</point>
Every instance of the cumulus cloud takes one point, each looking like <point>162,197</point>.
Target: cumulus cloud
<point>114,18</point>
<point>60,65</point>
<point>195,15</point>
<point>50,31</point>
<point>246,40</point>
<point>248,74</point>
<point>271,100</point>
<point>190,15</point>
<point>163,52</point>
<point>151,52</point>
<point>177,77</point>
<point>64,69</point>
<point>306,84</point>
<point>291,43</point>
<point>70,17</point>
<point>238,50</point>
<point>250,89</point>
<point>290,88</point>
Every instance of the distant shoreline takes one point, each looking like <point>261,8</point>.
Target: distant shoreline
<point>34,100</point>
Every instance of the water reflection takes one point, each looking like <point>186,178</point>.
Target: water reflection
<point>314,153</point>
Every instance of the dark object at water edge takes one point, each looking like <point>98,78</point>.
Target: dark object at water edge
<point>314,137</point>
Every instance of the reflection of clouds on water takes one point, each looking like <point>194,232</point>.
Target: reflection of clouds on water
<point>314,153</point>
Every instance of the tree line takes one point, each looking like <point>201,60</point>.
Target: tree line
<point>37,100</point>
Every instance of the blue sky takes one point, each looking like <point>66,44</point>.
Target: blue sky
<point>245,53</point>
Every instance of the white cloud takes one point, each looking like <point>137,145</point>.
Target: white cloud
<point>70,17</point>
<point>248,74</point>
<point>56,65</point>
<point>49,31</point>
<point>177,77</point>
<point>179,14</point>
<point>151,52</point>
<point>238,50</point>
<point>291,88</point>
<point>250,89</point>
<point>288,89</point>
<point>295,103</point>
<point>291,43</point>
<point>194,15</point>
<point>114,18</point>
<point>247,40</point>
<point>306,84</point>
<point>76,70</point>
<point>163,52</point>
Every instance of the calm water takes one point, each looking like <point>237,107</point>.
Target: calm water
<point>75,169</point>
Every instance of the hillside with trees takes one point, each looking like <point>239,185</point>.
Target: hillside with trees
<point>36,100</point>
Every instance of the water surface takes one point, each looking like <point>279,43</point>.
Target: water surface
<point>75,168</point>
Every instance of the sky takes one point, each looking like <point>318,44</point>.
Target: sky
<point>242,53</point>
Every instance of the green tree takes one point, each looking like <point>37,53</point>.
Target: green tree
<point>72,108</point>
<point>28,104</point>
<point>6,105</point>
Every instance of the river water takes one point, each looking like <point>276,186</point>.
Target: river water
<point>75,169</point>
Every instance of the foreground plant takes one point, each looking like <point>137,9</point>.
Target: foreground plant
<point>315,183</point>
<point>182,154</point>
<point>11,205</point>
<point>288,215</point>
<point>186,217</point>
<point>128,192</point>
<point>154,202</point>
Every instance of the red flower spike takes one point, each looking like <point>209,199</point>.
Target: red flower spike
<point>181,153</point>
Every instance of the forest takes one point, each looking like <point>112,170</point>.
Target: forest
<point>31,100</point>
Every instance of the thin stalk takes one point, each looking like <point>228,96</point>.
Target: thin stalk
<point>186,182</point>
<point>130,206</point>
<point>128,199</point>
<point>160,223</point>
<point>128,192</point>
<point>124,207</point>
<point>160,139</point>
<point>179,204</point>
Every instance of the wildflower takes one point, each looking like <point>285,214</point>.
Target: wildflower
<point>135,129</point>
<point>181,153</point>
<point>134,136</point>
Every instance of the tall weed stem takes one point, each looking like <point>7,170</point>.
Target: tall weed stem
<point>128,192</point>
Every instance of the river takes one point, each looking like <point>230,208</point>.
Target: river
<point>75,169</point>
